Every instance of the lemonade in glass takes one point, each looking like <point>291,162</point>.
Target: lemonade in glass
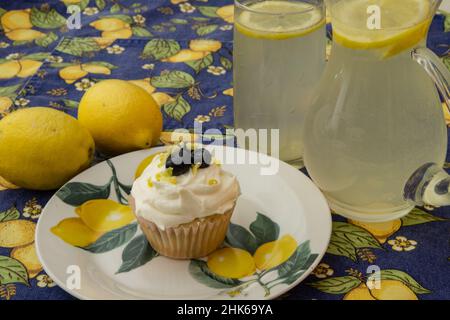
<point>279,55</point>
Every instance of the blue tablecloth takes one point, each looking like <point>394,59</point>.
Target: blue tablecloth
<point>413,251</point>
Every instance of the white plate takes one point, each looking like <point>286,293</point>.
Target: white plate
<point>287,202</point>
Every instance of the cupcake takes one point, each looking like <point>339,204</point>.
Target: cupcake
<point>183,202</point>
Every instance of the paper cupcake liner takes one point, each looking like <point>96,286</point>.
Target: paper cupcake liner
<point>191,240</point>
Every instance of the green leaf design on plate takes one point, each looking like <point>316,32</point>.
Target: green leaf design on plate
<point>78,46</point>
<point>141,32</point>
<point>204,30</point>
<point>226,63</point>
<point>392,274</point>
<point>47,40</point>
<point>123,17</point>
<point>100,4</point>
<point>264,229</point>
<point>10,91</point>
<point>12,271</point>
<point>337,285</point>
<point>297,260</point>
<point>208,11</point>
<point>174,79</point>
<point>199,271</point>
<point>160,48</point>
<point>77,193</point>
<point>115,8</point>
<point>39,56</point>
<point>295,275</point>
<point>137,253</point>
<point>73,104</point>
<point>177,109</point>
<point>201,64</point>
<point>10,214</point>
<point>418,216</point>
<point>239,237</point>
<point>46,20</point>
<point>112,239</point>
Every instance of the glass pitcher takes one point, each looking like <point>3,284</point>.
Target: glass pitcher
<point>375,136</point>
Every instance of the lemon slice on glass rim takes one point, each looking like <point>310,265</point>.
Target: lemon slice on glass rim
<point>278,20</point>
<point>403,24</point>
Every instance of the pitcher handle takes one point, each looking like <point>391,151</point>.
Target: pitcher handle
<point>435,69</point>
<point>430,184</point>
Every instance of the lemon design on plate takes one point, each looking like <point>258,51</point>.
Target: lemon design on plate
<point>231,263</point>
<point>404,24</point>
<point>75,232</point>
<point>293,25</point>
<point>102,215</point>
<point>274,253</point>
<point>121,116</point>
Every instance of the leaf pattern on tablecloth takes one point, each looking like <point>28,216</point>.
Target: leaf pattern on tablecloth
<point>43,62</point>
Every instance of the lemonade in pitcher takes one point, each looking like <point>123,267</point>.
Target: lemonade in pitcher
<point>377,118</point>
<point>279,55</point>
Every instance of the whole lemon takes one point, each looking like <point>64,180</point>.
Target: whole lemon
<point>42,148</point>
<point>121,116</point>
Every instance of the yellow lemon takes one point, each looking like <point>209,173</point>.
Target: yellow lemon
<point>228,92</point>
<point>124,33</point>
<point>121,116</point>
<point>72,73</point>
<point>109,24</point>
<point>5,104</point>
<point>380,230</point>
<point>144,84</point>
<point>103,42</point>
<point>28,68</point>
<point>75,232</point>
<point>28,257</point>
<point>231,263</point>
<point>162,98</point>
<point>405,23</point>
<point>9,69</point>
<point>359,293</point>
<point>274,253</point>
<point>226,13</point>
<point>203,45</point>
<point>71,1</point>
<point>393,290</point>
<point>104,215</point>
<point>16,233</point>
<point>24,35</point>
<point>96,69</point>
<point>16,19</point>
<point>144,164</point>
<point>42,148</point>
<point>186,55</point>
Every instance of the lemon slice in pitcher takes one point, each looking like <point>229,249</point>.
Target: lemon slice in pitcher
<point>403,24</point>
<point>278,20</point>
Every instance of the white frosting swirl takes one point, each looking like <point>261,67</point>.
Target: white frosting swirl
<point>206,192</point>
